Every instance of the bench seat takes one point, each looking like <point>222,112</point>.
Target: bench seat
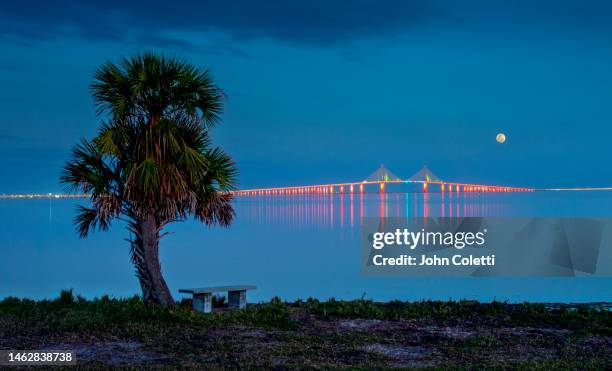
<point>202,296</point>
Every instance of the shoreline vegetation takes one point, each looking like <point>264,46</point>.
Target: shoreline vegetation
<point>314,334</point>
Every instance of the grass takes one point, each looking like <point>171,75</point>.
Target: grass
<point>313,333</point>
<point>582,317</point>
<point>76,314</point>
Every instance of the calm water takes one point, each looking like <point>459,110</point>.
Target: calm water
<point>294,247</point>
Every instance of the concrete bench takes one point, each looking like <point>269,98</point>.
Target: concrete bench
<point>202,297</point>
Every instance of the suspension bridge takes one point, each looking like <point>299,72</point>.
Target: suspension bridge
<point>379,179</point>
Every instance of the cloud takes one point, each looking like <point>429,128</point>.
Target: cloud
<point>315,23</point>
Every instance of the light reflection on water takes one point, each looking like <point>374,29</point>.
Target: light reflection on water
<point>291,246</point>
<point>347,210</point>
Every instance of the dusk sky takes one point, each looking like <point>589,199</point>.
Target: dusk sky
<point>323,91</point>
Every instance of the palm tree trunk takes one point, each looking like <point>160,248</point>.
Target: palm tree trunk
<point>145,256</point>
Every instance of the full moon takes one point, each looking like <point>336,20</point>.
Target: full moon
<point>500,138</point>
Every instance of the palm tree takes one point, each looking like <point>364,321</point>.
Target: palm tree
<point>152,162</point>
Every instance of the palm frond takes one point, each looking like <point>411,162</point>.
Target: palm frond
<point>87,171</point>
<point>88,219</point>
<point>215,208</point>
<point>221,169</point>
<point>152,86</point>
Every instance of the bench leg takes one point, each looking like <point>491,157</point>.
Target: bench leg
<point>236,299</point>
<point>202,303</point>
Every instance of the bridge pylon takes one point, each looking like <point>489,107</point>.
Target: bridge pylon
<point>382,174</point>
